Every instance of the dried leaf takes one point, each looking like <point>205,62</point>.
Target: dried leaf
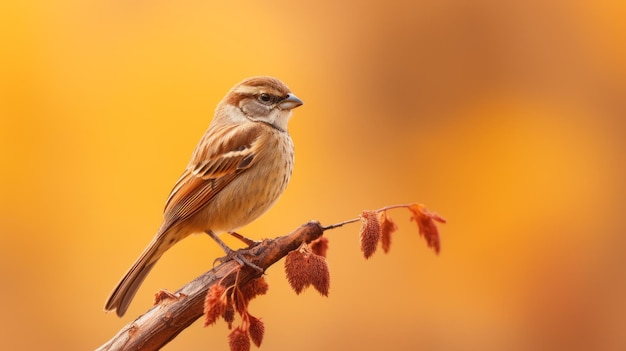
<point>426,224</point>
<point>214,304</point>
<point>296,270</point>
<point>370,233</point>
<point>387,227</point>
<point>256,330</point>
<point>238,340</point>
<point>229,315</point>
<point>320,246</point>
<point>319,273</point>
<point>254,288</point>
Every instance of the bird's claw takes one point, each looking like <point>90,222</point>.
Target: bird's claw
<point>238,256</point>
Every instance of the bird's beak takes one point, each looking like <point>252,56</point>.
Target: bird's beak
<point>290,102</point>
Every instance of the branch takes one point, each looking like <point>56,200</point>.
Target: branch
<point>304,266</point>
<point>170,316</point>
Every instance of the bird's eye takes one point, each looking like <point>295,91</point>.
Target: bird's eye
<point>265,98</point>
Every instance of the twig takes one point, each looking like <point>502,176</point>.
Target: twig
<point>175,312</point>
<point>341,224</point>
<point>169,317</point>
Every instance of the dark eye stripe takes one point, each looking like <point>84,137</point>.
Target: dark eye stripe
<point>269,99</point>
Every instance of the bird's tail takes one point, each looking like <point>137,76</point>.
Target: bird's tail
<point>126,289</point>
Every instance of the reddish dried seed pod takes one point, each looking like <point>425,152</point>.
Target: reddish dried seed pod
<point>426,223</point>
<point>387,227</point>
<point>319,273</point>
<point>320,246</point>
<point>256,331</point>
<point>370,233</point>
<point>214,304</point>
<point>296,270</point>
<point>238,340</point>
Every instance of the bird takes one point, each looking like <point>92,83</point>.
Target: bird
<point>238,170</point>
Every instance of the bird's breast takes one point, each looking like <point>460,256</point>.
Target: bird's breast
<point>256,189</point>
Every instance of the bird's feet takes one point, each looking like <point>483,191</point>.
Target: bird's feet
<point>236,255</point>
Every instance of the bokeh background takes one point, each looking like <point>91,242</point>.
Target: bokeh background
<point>505,117</point>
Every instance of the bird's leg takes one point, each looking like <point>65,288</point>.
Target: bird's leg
<point>251,243</point>
<point>232,254</point>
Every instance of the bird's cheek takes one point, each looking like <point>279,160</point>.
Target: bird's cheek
<point>254,109</point>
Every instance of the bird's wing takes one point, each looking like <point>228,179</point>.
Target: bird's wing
<point>219,158</point>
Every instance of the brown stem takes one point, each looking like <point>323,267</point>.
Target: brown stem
<point>169,317</point>
<point>341,224</point>
<point>172,314</point>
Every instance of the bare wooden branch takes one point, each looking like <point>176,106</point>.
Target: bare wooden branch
<point>169,317</point>
<point>175,312</point>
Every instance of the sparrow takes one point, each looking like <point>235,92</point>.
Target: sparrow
<point>238,170</point>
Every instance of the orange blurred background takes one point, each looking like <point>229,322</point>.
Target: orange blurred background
<point>507,119</point>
